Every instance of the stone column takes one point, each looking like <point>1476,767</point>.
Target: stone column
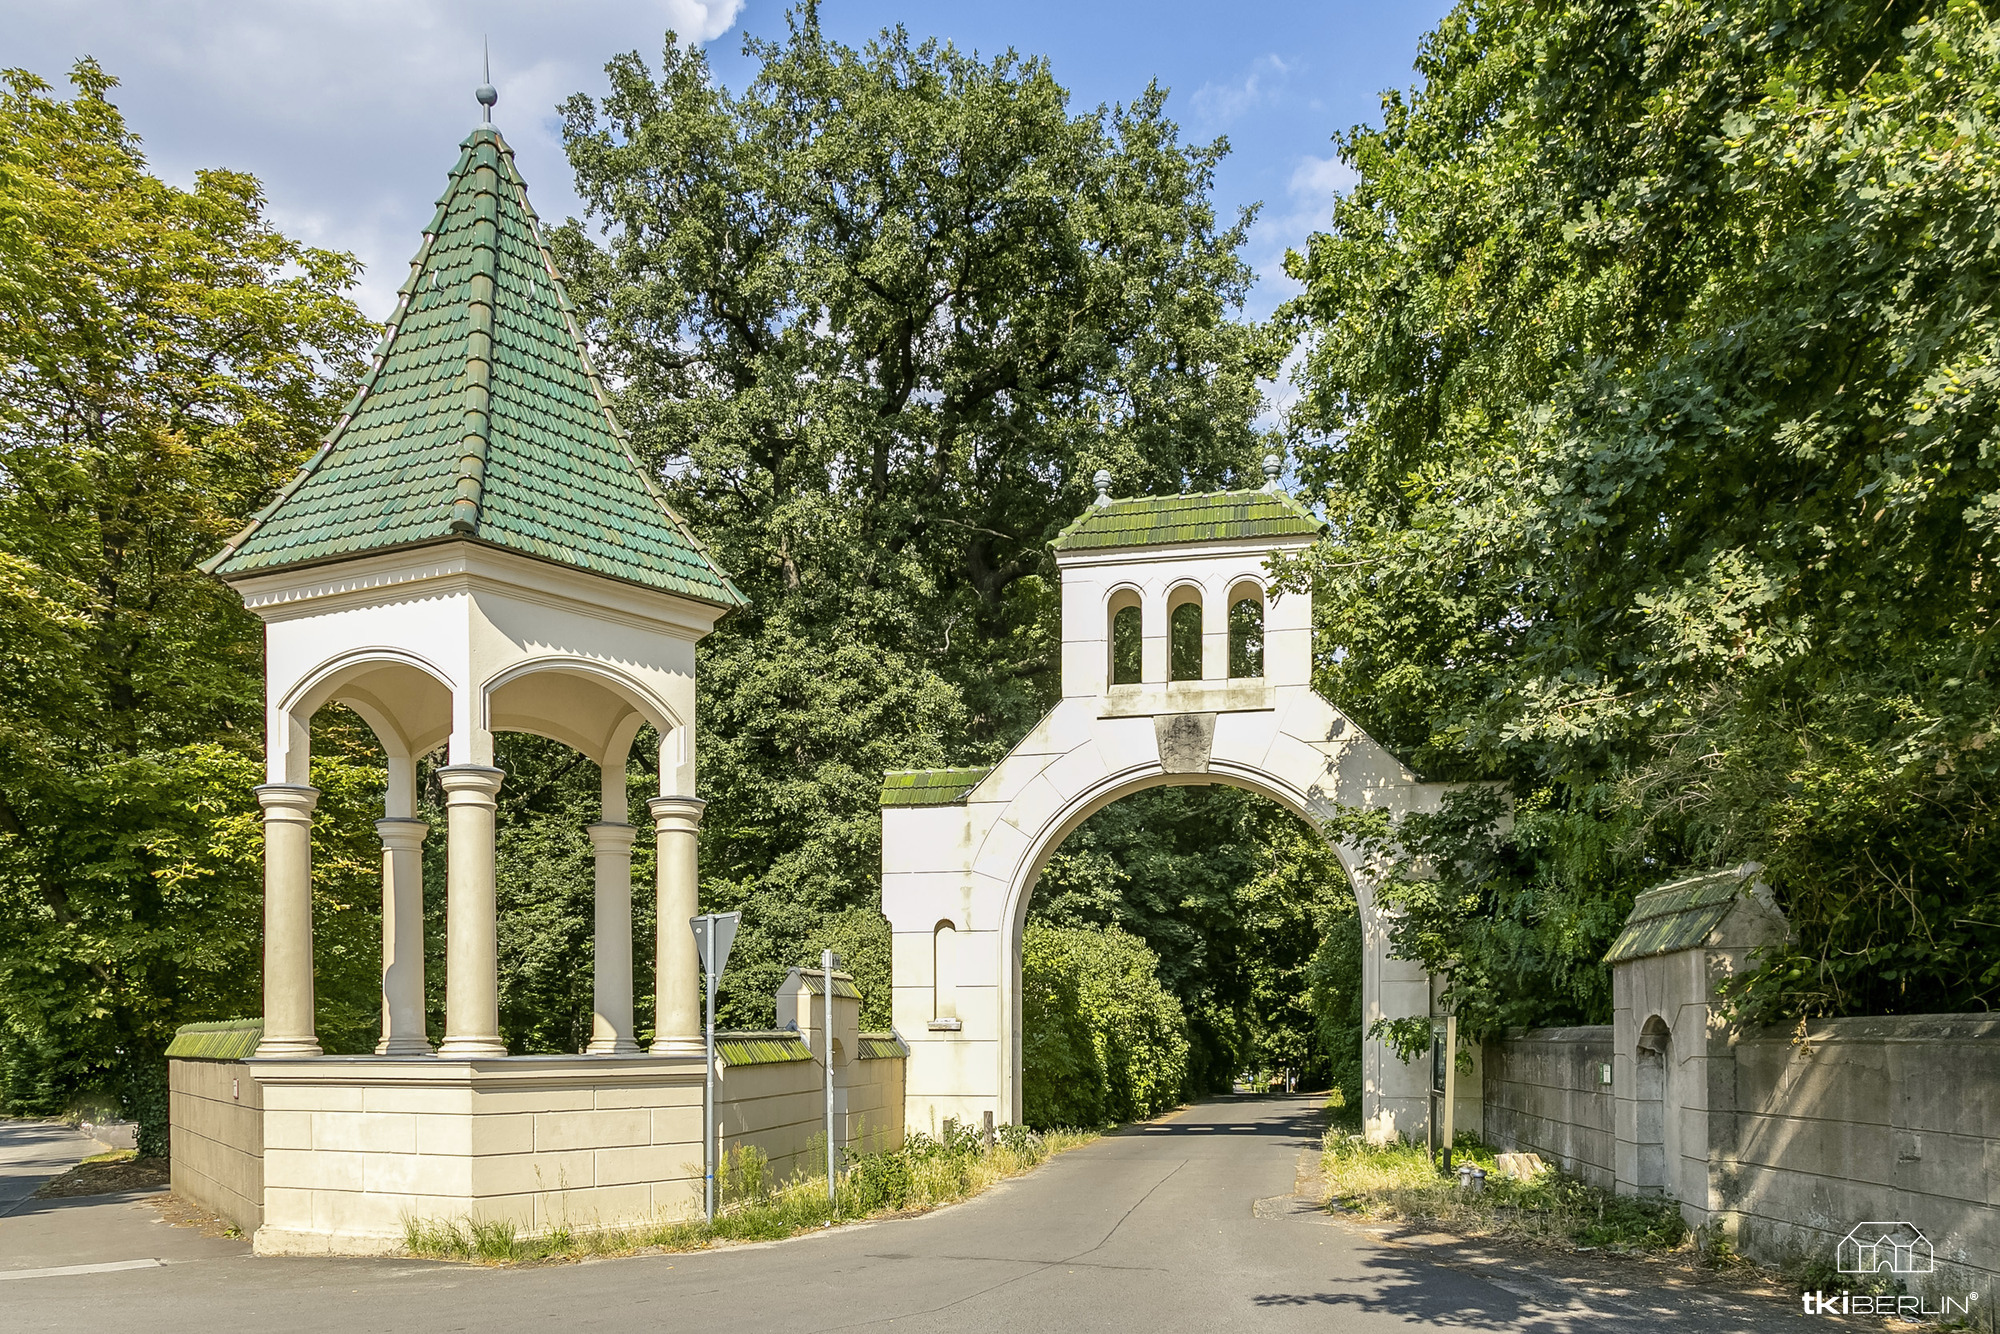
<point>403,938</point>
<point>677,976</point>
<point>288,931</point>
<point>472,946</point>
<point>611,1022</point>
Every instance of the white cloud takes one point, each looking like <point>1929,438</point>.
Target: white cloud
<point>1219,104</point>
<point>350,113</point>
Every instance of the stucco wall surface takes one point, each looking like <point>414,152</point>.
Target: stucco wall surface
<point>216,1113</point>
<point>355,1146</point>
<point>1872,1119</point>
<point>1544,1095</point>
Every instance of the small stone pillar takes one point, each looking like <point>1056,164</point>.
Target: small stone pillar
<point>289,1029</point>
<point>676,830</point>
<point>403,1030</point>
<point>472,945</point>
<point>611,1020</point>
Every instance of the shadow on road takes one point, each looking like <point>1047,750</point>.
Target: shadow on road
<point>1297,1120</point>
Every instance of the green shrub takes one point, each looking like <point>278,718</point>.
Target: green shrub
<point>1102,1039</point>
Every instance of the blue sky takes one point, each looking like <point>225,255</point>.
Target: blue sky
<point>350,111</point>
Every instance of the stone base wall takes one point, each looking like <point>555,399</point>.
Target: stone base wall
<point>354,1147</point>
<point>780,1109</point>
<point>335,1155</point>
<point>875,1105</point>
<point>1866,1120</point>
<point>1544,1095</point>
<point>216,1113</point>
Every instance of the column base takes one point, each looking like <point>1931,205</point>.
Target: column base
<point>613,1047</point>
<point>404,1047</point>
<point>678,1048</point>
<point>459,1048</point>
<point>287,1049</point>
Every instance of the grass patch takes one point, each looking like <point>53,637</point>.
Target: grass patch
<point>924,1174</point>
<point>1399,1181</point>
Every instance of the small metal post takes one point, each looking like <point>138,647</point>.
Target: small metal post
<point>708,1078</point>
<point>1450,1083</point>
<point>826,962</point>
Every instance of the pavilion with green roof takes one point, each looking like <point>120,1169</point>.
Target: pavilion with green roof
<point>476,548</point>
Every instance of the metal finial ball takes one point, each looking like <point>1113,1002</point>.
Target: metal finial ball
<point>1102,481</point>
<point>487,94</point>
<point>1272,467</point>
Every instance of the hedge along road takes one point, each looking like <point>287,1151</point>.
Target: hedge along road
<point>1184,1223</point>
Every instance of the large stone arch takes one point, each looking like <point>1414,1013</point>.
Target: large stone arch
<point>966,846</point>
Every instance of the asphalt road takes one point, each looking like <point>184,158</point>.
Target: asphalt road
<point>1186,1224</point>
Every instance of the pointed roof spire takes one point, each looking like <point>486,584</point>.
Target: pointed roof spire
<point>482,419</point>
<point>486,93</point>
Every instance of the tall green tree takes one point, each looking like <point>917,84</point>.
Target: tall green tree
<point>878,317</point>
<point>1649,385</point>
<point>166,358</point>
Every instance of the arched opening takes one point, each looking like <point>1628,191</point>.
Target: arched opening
<point>1184,635</point>
<point>1178,940</point>
<point>1652,1075</point>
<point>944,974</point>
<point>1246,631</point>
<point>1127,638</point>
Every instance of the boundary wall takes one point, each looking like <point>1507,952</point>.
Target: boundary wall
<point>1545,1093</point>
<point>1809,1135</point>
<point>216,1110</point>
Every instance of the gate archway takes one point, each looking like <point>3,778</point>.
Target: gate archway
<point>963,848</point>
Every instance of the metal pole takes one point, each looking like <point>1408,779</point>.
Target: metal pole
<point>826,1045</point>
<point>708,1125</point>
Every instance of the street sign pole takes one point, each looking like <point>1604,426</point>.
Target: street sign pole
<point>713,935</point>
<point>827,960</point>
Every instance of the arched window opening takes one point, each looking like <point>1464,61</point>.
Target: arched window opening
<point>1127,639</point>
<point>1246,635</point>
<point>944,971</point>
<point>1184,645</point>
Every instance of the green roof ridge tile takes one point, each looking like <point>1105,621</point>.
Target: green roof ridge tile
<point>1681,914</point>
<point>1207,516</point>
<point>482,417</point>
<point>930,787</point>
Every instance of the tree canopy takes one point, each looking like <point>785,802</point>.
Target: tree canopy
<point>1649,382</point>
<point>166,358</point>
<point>878,318</point>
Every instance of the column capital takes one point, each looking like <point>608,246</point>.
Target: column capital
<point>470,784</point>
<point>676,813</point>
<point>611,836</point>
<point>288,801</point>
<point>402,833</point>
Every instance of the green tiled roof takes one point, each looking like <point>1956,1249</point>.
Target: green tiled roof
<point>1680,915</point>
<point>1152,521</point>
<point>930,787</point>
<point>761,1047</point>
<point>224,1040</point>
<point>881,1047</point>
<point>814,983</point>
<point>482,419</point>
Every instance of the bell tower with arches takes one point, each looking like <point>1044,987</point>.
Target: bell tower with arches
<point>1181,664</point>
